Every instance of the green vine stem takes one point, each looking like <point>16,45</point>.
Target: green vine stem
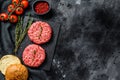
<point>16,6</point>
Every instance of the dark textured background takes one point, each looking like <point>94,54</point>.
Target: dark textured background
<point>88,46</point>
<point>89,43</point>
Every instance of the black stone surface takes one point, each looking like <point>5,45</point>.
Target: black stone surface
<point>89,43</point>
<point>88,46</point>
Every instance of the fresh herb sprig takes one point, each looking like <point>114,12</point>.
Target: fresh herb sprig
<point>21,32</point>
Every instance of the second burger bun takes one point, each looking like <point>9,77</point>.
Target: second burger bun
<point>16,72</point>
<point>6,61</point>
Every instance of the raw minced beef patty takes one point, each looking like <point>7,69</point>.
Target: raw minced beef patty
<point>40,32</point>
<point>33,55</point>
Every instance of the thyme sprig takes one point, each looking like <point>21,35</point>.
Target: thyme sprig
<point>21,32</point>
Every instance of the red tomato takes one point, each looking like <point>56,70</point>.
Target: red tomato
<point>15,2</point>
<point>13,18</point>
<point>19,11</point>
<point>3,16</point>
<point>11,7</point>
<point>24,3</point>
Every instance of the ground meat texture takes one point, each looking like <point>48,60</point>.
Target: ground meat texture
<point>40,32</point>
<point>33,55</point>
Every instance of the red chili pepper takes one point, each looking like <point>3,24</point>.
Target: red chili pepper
<point>41,7</point>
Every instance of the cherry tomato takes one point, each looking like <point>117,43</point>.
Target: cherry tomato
<point>15,2</point>
<point>11,7</point>
<point>3,16</point>
<point>13,18</point>
<point>19,11</point>
<point>24,4</point>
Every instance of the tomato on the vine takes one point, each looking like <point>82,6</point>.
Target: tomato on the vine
<point>19,11</point>
<point>15,2</point>
<point>13,18</point>
<point>10,8</point>
<point>24,3</point>
<point>3,16</point>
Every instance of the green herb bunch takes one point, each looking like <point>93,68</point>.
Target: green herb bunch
<point>21,32</point>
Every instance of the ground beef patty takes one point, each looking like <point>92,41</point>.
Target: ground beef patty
<point>33,55</point>
<point>40,32</point>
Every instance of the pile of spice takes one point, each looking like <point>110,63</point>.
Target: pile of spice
<point>41,7</point>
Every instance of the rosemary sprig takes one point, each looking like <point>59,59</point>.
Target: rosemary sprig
<point>18,29</point>
<point>20,32</point>
<point>41,29</point>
